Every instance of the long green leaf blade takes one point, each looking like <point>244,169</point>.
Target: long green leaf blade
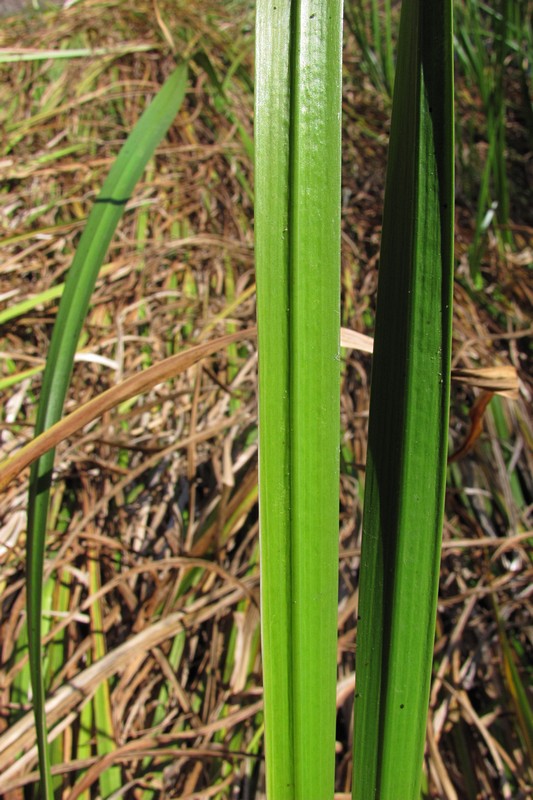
<point>298,84</point>
<point>101,225</point>
<point>406,465</point>
<point>272,121</point>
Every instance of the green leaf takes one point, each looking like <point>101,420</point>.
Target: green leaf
<point>407,448</point>
<point>101,225</point>
<point>297,226</point>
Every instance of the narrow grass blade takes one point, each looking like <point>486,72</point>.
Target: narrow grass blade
<point>110,779</point>
<point>406,465</point>
<point>518,692</point>
<point>371,23</point>
<point>24,306</point>
<point>104,217</point>
<point>10,55</point>
<point>59,589</point>
<point>297,223</point>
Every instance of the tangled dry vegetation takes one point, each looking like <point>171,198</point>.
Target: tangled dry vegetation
<point>152,552</point>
